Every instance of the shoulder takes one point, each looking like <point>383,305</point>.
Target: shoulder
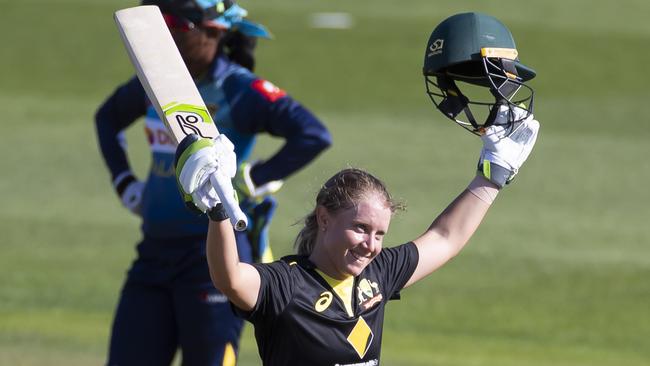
<point>404,252</point>
<point>394,266</point>
<point>236,78</point>
<point>283,271</point>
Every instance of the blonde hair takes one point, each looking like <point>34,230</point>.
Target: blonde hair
<point>342,191</point>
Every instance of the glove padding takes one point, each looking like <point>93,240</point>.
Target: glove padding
<point>247,190</point>
<point>506,147</point>
<point>130,190</point>
<point>196,160</point>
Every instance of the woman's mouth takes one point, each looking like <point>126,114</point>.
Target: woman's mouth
<point>357,257</point>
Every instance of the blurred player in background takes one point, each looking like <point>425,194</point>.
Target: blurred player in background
<point>325,305</point>
<point>168,300</point>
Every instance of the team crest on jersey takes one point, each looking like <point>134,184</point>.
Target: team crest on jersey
<point>323,302</point>
<point>361,337</point>
<point>268,90</point>
<point>368,294</point>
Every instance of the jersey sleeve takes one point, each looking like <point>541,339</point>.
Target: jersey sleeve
<point>275,292</point>
<point>396,266</point>
<point>121,109</point>
<point>258,106</point>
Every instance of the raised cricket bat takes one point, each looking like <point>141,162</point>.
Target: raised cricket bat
<point>170,88</point>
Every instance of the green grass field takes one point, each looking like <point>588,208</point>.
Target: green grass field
<point>557,275</point>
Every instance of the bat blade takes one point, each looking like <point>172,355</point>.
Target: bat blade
<point>169,85</point>
<point>163,73</point>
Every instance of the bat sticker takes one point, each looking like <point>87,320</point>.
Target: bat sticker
<point>188,117</point>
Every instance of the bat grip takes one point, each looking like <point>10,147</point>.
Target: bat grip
<point>226,194</point>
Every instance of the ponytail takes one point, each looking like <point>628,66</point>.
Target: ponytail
<point>240,48</point>
<point>306,238</point>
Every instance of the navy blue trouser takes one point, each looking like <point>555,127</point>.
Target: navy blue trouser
<point>169,302</point>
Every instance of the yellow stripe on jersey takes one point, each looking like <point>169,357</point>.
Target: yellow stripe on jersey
<point>229,356</point>
<point>343,289</point>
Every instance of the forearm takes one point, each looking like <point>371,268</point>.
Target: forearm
<point>458,222</point>
<point>453,228</point>
<point>109,145</point>
<point>305,138</point>
<point>223,258</point>
<point>237,280</point>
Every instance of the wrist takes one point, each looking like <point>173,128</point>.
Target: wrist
<point>122,181</point>
<point>218,213</point>
<point>496,172</point>
<point>483,189</point>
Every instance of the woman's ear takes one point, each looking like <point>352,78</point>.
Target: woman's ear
<point>322,218</point>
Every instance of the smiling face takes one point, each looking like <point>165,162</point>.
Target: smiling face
<point>349,239</point>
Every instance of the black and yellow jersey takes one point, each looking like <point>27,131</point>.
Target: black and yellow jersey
<point>299,320</point>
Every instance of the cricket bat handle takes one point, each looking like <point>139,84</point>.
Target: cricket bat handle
<point>226,194</point>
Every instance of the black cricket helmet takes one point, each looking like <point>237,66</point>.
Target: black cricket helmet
<point>477,51</point>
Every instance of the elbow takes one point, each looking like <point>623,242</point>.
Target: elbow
<point>227,289</point>
<point>227,285</point>
<point>325,142</point>
<point>102,121</point>
<point>222,284</point>
<point>321,141</point>
<point>233,292</point>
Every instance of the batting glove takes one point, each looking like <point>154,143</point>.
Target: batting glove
<point>130,190</point>
<point>506,147</point>
<point>247,190</point>
<point>196,160</point>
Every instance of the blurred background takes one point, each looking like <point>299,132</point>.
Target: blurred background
<point>557,275</point>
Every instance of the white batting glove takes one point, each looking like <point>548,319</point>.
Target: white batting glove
<point>130,190</point>
<point>196,160</point>
<point>245,187</point>
<point>505,147</point>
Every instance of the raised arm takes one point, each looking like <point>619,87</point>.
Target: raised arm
<point>453,228</point>
<point>198,162</point>
<point>502,155</point>
<point>239,281</point>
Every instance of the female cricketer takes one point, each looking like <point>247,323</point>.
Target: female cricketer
<point>168,300</point>
<point>325,305</point>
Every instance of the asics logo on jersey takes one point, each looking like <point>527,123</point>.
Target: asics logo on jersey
<point>436,47</point>
<point>323,301</point>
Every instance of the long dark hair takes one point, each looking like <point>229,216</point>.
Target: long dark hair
<point>342,191</point>
<point>239,47</point>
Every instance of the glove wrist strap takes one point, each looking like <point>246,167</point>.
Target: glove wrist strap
<point>495,173</point>
<point>218,213</point>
